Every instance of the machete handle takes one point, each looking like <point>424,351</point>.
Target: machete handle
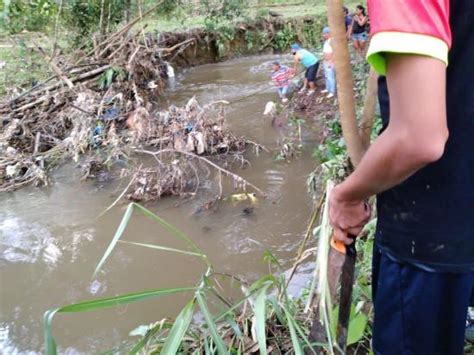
<point>341,247</point>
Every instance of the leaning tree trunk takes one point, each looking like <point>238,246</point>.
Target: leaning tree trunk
<point>345,91</point>
<point>350,130</point>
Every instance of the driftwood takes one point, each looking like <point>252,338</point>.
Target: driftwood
<point>55,68</point>
<point>235,177</point>
<point>87,103</point>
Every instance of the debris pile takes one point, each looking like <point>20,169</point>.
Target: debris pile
<point>104,104</point>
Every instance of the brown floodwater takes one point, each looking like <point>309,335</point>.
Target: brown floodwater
<point>51,239</point>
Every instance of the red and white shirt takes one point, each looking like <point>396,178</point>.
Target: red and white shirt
<point>408,26</point>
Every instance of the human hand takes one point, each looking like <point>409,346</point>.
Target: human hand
<point>346,217</point>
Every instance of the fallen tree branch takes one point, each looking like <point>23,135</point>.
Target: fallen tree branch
<point>207,161</point>
<point>81,77</point>
<point>55,68</point>
<point>171,49</point>
<point>124,29</point>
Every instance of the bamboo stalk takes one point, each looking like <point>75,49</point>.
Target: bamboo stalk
<point>344,80</point>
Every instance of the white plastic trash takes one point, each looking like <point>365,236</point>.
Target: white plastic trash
<point>169,71</point>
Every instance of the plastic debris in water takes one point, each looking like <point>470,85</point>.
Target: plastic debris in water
<point>252,197</point>
<point>270,108</point>
<point>169,71</point>
<point>94,287</point>
<point>110,114</point>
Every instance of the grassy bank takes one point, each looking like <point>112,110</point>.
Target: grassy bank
<point>22,64</point>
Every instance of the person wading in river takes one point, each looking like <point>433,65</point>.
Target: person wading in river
<point>311,62</point>
<point>423,266</point>
<point>281,79</point>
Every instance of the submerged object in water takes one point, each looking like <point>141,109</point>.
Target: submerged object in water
<point>252,197</point>
<point>270,108</point>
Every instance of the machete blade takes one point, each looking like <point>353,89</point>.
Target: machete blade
<point>345,299</point>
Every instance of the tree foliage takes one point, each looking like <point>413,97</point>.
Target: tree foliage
<point>32,15</point>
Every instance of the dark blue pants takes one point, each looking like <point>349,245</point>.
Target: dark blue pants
<point>418,312</point>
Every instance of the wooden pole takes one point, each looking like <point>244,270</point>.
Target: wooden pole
<point>345,91</point>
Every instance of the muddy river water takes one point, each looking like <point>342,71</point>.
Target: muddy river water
<point>51,240</point>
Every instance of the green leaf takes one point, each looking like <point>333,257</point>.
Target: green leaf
<point>301,332</point>
<point>221,348</point>
<point>357,326</point>
<point>121,228</point>
<point>277,309</point>
<point>294,338</point>
<point>235,327</point>
<point>176,232</point>
<point>234,307</point>
<point>101,304</point>
<point>260,316</point>
<point>177,332</point>
<point>123,224</point>
<point>109,76</point>
<point>159,247</point>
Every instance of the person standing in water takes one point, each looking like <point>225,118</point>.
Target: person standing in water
<point>281,79</point>
<point>329,69</point>
<point>358,30</point>
<point>311,62</point>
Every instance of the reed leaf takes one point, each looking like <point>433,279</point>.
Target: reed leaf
<point>159,247</point>
<point>294,337</point>
<point>176,232</point>
<point>118,233</point>
<point>260,316</point>
<point>123,224</point>
<point>101,303</point>
<point>231,310</point>
<point>218,341</point>
<point>177,332</point>
<point>296,326</point>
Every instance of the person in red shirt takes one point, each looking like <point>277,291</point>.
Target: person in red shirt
<point>421,168</point>
<point>281,78</point>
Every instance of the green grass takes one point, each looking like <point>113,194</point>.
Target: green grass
<point>24,65</point>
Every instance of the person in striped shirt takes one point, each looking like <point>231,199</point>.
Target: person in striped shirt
<point>281,79</point>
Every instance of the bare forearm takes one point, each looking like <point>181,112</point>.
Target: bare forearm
<point>391,159</point>
<point>295,67</point>
<point>417,132</point>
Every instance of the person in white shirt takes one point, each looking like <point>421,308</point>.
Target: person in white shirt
<point>329,70</point>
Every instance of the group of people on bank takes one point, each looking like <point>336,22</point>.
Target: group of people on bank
<point>356,29</point>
